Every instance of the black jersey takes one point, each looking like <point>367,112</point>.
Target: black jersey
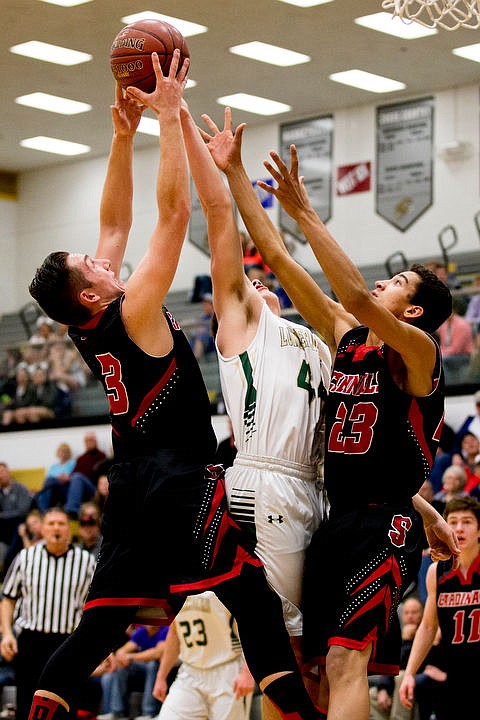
<point>458,608</point>
<point>155,402</point>
<point>381,441</point>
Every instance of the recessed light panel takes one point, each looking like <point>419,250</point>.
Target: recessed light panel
<point>50,53</point>
<point>254,104</point>
<point>367,81</point>
<point>55,146</point>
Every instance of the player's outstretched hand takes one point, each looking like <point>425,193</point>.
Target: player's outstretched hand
<point>290,190</point>
<point>168,92</point>
<point>442,541</point>
<point>126,112</point>
<point>224,145</point>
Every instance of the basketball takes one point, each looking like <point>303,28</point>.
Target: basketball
<point>130,54</point>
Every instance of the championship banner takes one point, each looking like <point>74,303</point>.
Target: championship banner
<point>313,139</point>
<point>404,161</point>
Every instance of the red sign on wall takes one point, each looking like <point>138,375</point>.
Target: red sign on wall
<point>353,178</point>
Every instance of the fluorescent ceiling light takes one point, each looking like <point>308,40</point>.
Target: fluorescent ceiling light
<point>269,54</point>
<point>52,103</point>
<point>66,3</point>
<point>392,25</point>
<point>254,104</point>
<point>50,53</point>
<point>52,145</point>
<point>367,81</point>
<point>186,27</point>
<point>305,3</point>
<point>470,52</point>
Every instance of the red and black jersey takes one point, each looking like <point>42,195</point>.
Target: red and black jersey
<point>458,608</point>
<point>155,402</point>
<point>381,441</point>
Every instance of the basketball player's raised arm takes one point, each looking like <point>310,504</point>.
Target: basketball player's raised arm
<point>236,303</point>
<point>416,348</point>
<point>149,283</point>
<point>308,298</point>
<point>117,195</point>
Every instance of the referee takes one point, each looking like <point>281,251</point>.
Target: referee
<point>43,596</point>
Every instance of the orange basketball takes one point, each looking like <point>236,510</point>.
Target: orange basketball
<point>130,54</point>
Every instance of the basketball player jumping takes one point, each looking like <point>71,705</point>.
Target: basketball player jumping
<point>384,416</point>
<point>164,498</point>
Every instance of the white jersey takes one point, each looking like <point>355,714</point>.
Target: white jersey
<point>274,394</point>
<point>273,391</point>
<point>205,632</point>
<point>212,659</point>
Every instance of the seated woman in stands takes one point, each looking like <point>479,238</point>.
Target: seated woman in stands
<point>22,396</point>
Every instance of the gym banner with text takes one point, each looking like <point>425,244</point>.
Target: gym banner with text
<point>404,141</point>
<point>313,139</point>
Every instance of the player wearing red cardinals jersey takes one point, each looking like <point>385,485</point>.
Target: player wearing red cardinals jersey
<point>453,605</point>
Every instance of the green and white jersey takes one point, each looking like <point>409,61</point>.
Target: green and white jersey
<point>205,629</point>
<point>274,391</point>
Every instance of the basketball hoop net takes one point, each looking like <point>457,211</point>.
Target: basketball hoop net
<point>446,14</point>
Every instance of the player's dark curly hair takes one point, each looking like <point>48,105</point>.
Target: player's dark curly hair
<point>433,296</point>
<point>56,287</point>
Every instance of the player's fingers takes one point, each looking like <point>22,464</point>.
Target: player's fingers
<point>266,187</point>
<point>239,131</point>
<point>279,163</point>
<point>272,170</point>
<point>182,73</point>
<point>227,124</point>
<point>210,124</point>
<point>205,136</point>
<point>118,92</point>
<point>172,73</point>
<point>293,160</point>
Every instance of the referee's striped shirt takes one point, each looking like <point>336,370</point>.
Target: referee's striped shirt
<point>51,589</point>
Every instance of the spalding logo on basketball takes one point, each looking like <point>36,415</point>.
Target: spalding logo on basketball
<point>130,54</point>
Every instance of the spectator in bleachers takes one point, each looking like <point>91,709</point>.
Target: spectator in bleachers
<point>89,534</point>
<point>44,331</point>
<point>137,663</point>
<point>467,457</point>
<point>471,423</point>
<point>453,486</point>
<point>57,475</point>
<point>43,405</point>
<point>456,344</point>
<point>201,339</point>
<point>8,371</point>
<point>251,255</point>
<point>72,481</point>
<point>15,502</point>
<point>443,274</point>
<point>66,366</point>
<point>28,533</point>
<point>83,479</point>
<point>22,395</point>
<point>473,308</point>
